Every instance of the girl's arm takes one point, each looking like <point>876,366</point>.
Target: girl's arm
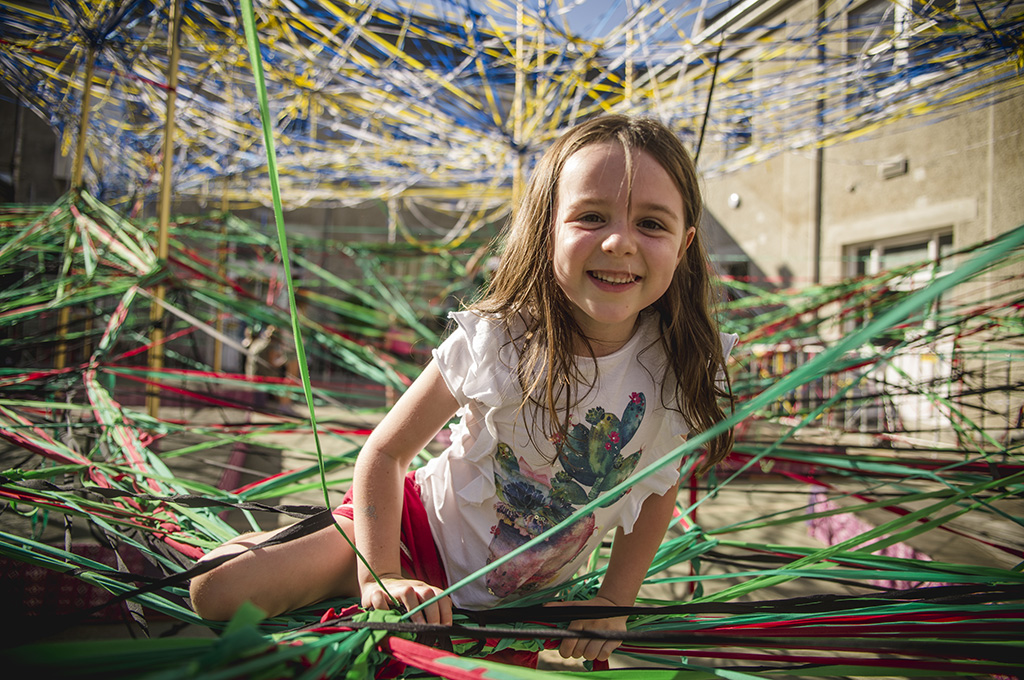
<point>320,565</point>
<point>378,490</point>
<point>631,557</point>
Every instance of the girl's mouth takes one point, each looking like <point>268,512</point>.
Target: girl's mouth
<point>614,278</point>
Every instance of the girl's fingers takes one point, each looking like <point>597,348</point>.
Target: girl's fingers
<point>439,612</point>
<point>604,650</point>
<point>589,649</point>
<point>583,648</point>
<point>416,597</point>
<point>573,648</point>
<point>379,600</point>
<point>443,608</point>
<point>411,596</point>
<point>411,601</point>
<point>429,614</point>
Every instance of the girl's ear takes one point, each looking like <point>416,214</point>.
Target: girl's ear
<point>687,240</point>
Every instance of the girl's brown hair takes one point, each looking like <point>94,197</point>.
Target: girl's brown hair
<point>523,289</point>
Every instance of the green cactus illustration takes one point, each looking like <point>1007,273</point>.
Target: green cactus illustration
<point>564,488</point>
<point>530,503</point>
<point>592,457</point>
<point>573,454</point>
<point>632,416</point>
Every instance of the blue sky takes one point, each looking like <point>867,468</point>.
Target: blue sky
<point>590,18</point>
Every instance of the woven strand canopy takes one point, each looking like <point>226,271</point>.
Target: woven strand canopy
<point>868,522</point>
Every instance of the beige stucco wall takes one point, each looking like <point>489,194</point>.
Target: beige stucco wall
<point>965,173</point>
<point>774,219</point>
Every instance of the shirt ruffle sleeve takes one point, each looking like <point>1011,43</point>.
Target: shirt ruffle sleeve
<point>475,360</point>
<point>729,341</point>
<point>673,429</point>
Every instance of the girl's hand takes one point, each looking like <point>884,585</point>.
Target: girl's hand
<point>591,649</point>
<point>410,593</point>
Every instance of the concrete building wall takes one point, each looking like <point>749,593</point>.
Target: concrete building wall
<point>768,210</point>
<point>964,174</point>
<point>798,215</point>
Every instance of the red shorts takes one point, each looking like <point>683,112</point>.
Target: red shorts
<point>420,559</point>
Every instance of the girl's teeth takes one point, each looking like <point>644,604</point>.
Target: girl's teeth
<point>613,279</point>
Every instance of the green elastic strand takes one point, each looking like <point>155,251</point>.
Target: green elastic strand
<point>252,42</point>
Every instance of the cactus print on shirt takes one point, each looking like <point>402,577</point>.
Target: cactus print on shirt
<point>529,503</point>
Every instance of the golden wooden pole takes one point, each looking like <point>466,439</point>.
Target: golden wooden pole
<point>156,311</point>
<point>83,119</point>
<point>64,317</point>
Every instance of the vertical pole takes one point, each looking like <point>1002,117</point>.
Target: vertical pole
<point>64,318</point>
<point>17,155</point>
<point>630,47</point>
<point>222,257</point>
<point>517,105</point>
<point>65,312</point>
<point>1008,398</point>
<point>818,207</point>
<point>535,107</point>
<point>156,312</point>
<point>225,205</point>
<point>630,44</point>
<point>83,119</point>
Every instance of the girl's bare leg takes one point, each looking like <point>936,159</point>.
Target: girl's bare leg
<point>279,578</point>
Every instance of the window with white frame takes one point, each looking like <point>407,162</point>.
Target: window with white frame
<point>930,250</point>
<point>870,259</point>
<point>915,261</point>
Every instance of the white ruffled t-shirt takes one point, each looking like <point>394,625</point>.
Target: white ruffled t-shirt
<point>496,487</point>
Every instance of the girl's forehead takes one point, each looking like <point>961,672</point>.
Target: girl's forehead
<point>612,151</point>
<point>602,146</point>
<point>610,159</point>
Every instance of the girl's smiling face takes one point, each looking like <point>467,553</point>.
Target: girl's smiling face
<point>617,242</point>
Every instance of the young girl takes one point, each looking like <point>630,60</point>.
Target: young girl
<point>591,355</point>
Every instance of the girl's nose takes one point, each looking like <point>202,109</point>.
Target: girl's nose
<point>619,239</point>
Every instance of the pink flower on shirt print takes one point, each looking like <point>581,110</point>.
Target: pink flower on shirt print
<point>529,472</point>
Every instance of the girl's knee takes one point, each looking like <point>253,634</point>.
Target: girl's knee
<point>276,579</point>
<point>217,595</point>
<point>212,597</point>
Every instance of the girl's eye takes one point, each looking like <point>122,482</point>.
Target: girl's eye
<point>592,217</point>
<point>651,225</point>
